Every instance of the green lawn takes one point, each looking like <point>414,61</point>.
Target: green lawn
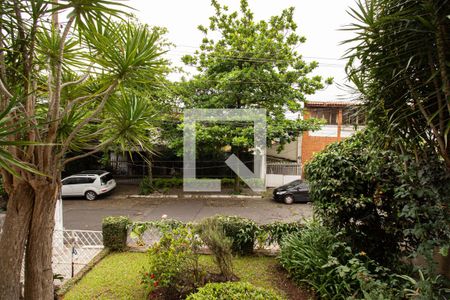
<point>117,276</point>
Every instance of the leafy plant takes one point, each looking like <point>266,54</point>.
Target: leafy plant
<point>431,287</point>
<point>173,261</point>
<point>272,233</point>
<point>387,205</point>
<point>149,281</point>
<point>405,90</point>
<point>146,186</point>
<point>241,231</point>
<point>137,232</point>
<point>233,290</point>
<point>318,257</point>
<point>212,234</point>
<point>114,231</point>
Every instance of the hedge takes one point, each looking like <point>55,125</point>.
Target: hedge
<point>115,232</point>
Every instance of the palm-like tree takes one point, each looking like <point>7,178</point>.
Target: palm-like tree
<point>67,79</point>
<point>400,62</point>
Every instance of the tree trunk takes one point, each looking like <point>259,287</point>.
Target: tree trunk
<point>38,261</point>
<point>13,239</point>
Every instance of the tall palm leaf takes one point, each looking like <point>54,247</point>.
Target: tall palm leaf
<point>399,60</point>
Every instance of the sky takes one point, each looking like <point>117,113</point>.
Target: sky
<point>320,21</point>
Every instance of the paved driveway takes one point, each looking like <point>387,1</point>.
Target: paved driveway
<point>82,214</point>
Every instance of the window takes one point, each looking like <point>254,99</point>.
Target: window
<point>78,180</point>
<point>69,181</point>
<point>353,116</point>
<point>327,113</point>
<point>106,178</point>
<point>85,180</point>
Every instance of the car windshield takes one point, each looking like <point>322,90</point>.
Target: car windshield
<point>106,178</point>
<point>292,184</point>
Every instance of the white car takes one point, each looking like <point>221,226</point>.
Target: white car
<point>89,184</point>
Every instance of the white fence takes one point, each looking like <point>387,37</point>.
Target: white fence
<point>73,249</point>
<point>284,168</point>
<point>280,173</point>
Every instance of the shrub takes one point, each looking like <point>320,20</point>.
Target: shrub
<point>173,261</point>
<point>316,256</point>
<point>137,229</point>
<point>231,291</point>
<point>137,232</point>
<point>213,236</point>
<point>272,233</point>
<point>427,287</point>
<point>114,231</point>
<point>241,231</point>
<point>146,186</point>
<point>266,234</point>
<point>386,205</point>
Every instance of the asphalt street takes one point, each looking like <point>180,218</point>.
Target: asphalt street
<point>82,214</point>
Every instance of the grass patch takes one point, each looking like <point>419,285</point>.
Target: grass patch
<point>117,276</point>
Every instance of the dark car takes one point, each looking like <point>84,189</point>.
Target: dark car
<point>295,191</point>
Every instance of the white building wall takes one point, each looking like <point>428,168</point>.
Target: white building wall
<point>291,151</point>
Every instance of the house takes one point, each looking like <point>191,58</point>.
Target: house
<point>342,119</point>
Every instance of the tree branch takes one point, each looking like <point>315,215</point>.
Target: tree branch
<point>4,89</point>
<point>79,81</point>
<point>77,129</point>
<point>81,98</point>
<point>95,150</point>
<point>55,101</point>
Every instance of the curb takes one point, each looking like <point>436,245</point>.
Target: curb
<point>192,196</point>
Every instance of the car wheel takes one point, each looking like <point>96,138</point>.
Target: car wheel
<point>90,195</point>
<point>288,199</point>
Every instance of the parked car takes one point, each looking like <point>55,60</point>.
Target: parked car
<point>89,183</point>
<point>295,191</point>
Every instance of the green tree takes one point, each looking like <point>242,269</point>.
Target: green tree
<point>245,63</point>
<point>72,85</point>
<point>400,62</point>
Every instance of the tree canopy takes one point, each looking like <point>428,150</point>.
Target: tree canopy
<point>248,63</point>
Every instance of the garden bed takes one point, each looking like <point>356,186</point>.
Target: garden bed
<point>117,277</point>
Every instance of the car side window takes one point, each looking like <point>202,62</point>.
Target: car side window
<point>68,181</point>
<point>85,180</point>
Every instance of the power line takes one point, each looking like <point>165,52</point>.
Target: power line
<point>309,57</point>
<point>250,59</point>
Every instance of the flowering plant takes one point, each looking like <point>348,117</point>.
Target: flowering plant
<point>173,260</point>
<point>149,281</point>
